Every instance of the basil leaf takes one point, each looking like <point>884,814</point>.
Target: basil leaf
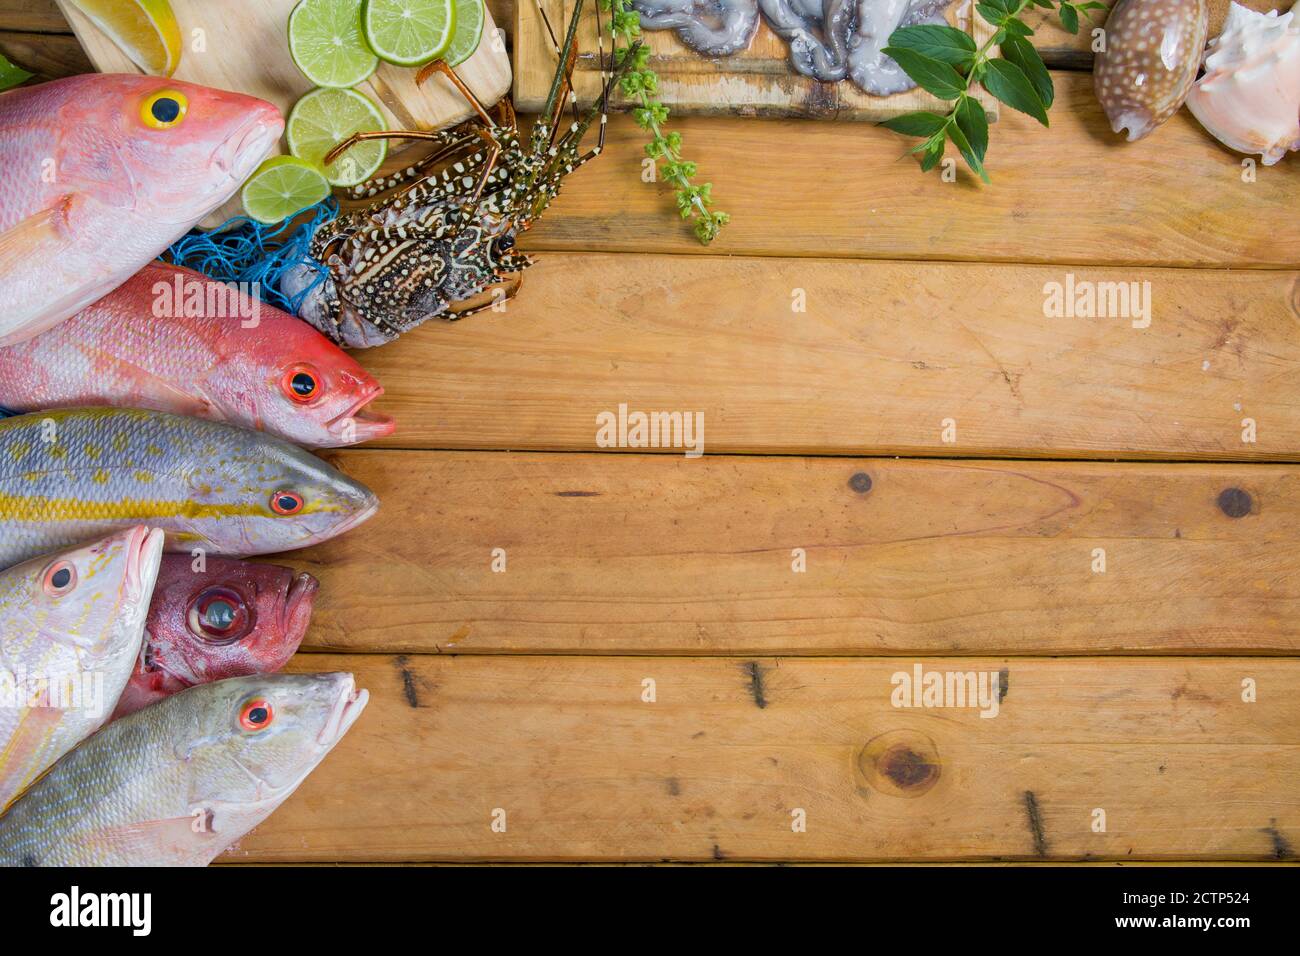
<point>938,42</point>
<point>992,14</point>
<point>968,153</point>
<point>1069,18</point>
<point>1009,84</point>
<point>933,76</point>
<point>1022,54</point>
<point>11,75</point>
<point>974,125</point>
<point>916,124</point>
<point>1017,28</point>
<point>932,157</point>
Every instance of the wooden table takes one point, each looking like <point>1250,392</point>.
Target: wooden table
<point>651,679</point>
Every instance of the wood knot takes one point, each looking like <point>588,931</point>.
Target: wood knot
<point>900,763</point>
<point>860,482</point>
<point>1234,502</point>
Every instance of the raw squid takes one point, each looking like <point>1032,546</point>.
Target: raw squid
<point>829,40</point>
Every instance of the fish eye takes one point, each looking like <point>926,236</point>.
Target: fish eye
<point>286,502</point>
<point>256,714</point>
<point>59,578</point>
<point>164,109</point>
<point>219,616</point>
<point>300,384</point>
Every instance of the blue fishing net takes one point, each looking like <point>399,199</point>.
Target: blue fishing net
<point>244,250</point>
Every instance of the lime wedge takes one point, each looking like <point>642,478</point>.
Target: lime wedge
<point>469,32</point>
<point>325,41</point>
<point>325,117</point>
<point>145,30</point>
<point>409,32</point>
<point>282,187</point>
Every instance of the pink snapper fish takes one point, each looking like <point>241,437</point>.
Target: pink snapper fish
<point>100,173</point>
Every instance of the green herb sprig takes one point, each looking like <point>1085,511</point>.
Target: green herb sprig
<point>946,62</point>
<point>641,85</point>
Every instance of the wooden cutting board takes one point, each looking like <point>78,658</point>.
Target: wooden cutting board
<point>754,82</point>
<point>242,45</point>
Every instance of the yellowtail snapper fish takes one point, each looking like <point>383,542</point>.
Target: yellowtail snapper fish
<point>71,474</point>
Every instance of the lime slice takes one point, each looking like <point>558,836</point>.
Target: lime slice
<point>325,117</point>
<point>145,30</point>
<point>282,187</point>
<point>409,32</point>
<point>469,32</point>
<point>325,41</point>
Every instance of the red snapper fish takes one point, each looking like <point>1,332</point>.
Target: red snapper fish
<point>173,340</point>
<point>100,173</point>
<point>232,619</point>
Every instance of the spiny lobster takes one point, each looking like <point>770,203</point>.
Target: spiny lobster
<point>440,237</point>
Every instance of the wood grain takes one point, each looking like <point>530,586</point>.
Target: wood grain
<point>631,554</point>
<point>37,16</point>
<point>48,55</point>
<point>1071,193</point>
<point>583,769</point>
<point>756,81</point>
<point>884,353</point>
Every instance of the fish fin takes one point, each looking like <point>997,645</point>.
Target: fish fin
<point>27,249</point>
<point>23,756</point>
<point>168,841</point>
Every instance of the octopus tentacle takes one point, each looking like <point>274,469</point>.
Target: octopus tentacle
<point>711,27</point>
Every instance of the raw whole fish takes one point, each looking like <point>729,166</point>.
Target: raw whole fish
<point>176,783</point>
<point>71,633</point>
<point>100,173</point>
<point>231,619</point>
<point>72,474</point>
<point>176,341</point>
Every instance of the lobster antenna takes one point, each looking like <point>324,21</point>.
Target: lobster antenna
<point>570,44</point>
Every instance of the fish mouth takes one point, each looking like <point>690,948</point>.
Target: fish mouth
<point>143,555</point>
<point>239,155</point>
<point>347,708</point>
<point>363,515</point>
<point>361,423</point>
<point>296,614</point>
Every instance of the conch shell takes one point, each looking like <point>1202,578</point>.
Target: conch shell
<point>1153,50</point>
<point>1249,97</point>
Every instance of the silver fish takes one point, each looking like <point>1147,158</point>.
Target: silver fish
<point>177,783</point>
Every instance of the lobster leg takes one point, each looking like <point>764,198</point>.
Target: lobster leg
<point>440,66</point>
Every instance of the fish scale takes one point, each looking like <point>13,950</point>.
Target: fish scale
<point>69,475</point>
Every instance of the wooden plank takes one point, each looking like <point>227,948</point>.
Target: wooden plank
<point>632,554</point>
<point>36,16</point>
<point>714,769</point>
<point>756,81</point>
<point>1071,193</point>
<point>883,355</point>
<point>48,55</point>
